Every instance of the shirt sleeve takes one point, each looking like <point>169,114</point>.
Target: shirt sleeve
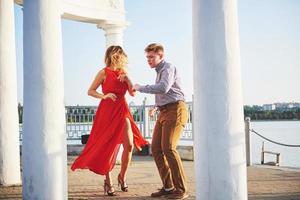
<point>164,83</point>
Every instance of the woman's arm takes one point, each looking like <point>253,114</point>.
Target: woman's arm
<point>124,77</point>
<point>130,89</point>
<point>99,79</point>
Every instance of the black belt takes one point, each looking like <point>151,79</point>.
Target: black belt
<point>163,107</point>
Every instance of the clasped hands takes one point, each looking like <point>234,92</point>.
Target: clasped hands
<point>124,77</point>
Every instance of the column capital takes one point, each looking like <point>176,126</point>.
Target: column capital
<point>113,27</point>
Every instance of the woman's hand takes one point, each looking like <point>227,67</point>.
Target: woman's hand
<point>112,96</point>
<point>132,93</point>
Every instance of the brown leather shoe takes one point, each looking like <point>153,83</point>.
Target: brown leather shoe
<point>178,195</point>
<point>162,192</point>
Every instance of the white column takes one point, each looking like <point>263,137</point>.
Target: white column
<point>44,140</point>
<point>220,160</point>
<point>113,33</point>
<point>9,127</point>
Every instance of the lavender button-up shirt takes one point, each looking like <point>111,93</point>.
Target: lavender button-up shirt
<point>167,87</point>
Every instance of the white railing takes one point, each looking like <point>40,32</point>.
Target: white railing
<point>75,130</point>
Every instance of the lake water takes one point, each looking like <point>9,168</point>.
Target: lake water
<point>287,132</point>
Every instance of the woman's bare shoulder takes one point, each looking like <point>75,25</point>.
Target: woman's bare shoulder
<point>101,72</point>
<point>100,75</point>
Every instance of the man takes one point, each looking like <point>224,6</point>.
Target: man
<point>169,100</point>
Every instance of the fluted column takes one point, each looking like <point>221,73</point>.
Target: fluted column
<point>44,139</point>
<point>113,34</point>
<point>9,124</point>
<point>220,160</point>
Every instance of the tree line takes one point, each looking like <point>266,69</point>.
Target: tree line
<point>258,114</point>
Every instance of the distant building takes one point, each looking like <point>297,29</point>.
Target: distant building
<point>283,106</point>
<point>268,107</point>
<point>286,106</point>
<point>295,105</point>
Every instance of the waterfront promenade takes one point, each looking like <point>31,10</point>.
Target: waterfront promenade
<point>264,183</point>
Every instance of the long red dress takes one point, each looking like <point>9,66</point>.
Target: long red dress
<point>100,152</point>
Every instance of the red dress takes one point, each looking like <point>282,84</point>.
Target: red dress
<point>100,152</point>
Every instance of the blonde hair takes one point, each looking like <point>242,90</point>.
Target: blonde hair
<point>155,47</point>
<point>115,56</point>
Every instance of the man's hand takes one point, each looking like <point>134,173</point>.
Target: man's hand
<point>136,87</point>
<point>152,111</point>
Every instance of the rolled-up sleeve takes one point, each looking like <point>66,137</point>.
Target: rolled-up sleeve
<point>164,83</point>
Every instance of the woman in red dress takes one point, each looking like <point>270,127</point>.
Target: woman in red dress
<point>113,124</point>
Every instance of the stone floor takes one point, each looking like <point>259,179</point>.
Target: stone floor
<point>268,183</point>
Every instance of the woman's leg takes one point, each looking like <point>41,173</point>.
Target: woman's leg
<point>108,185</point>
<point>128,147</point>
<point>108,178</point>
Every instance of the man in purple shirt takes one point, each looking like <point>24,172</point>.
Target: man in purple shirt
<point>169,100</point>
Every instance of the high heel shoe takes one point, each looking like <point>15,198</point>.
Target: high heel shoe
<point>108,189</point>
<point>123,184</point>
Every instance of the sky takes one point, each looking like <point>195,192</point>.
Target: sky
<point>269,43</point>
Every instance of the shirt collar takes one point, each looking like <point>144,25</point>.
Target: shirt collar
<point>159,66</point>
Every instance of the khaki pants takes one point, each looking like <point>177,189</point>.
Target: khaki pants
<point>168,128</point>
